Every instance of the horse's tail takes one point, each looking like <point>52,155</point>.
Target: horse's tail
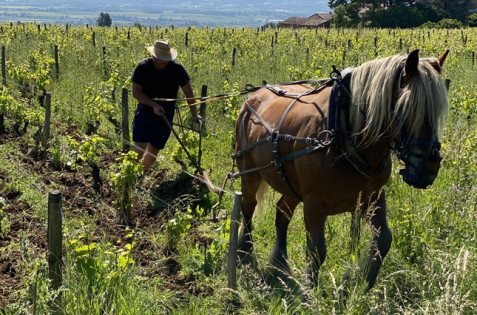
<point>260,196</point>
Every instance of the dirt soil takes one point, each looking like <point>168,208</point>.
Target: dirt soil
<point>78,197</point>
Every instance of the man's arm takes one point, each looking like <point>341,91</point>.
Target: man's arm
<point>189,94</point>
<point>141,97</point>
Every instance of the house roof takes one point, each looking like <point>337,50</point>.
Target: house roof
<point>314,20</point>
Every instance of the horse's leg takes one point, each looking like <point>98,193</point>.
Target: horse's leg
<point>380,244</point>
<point>284,212</point>
<point>250,185</point>
<point>370,263</point>
<point>315,240</point>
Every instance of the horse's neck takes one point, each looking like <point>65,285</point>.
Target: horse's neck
<point>376,154</point>
<point>372,156</point>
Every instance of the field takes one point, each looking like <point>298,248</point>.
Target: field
<point>172,259</point>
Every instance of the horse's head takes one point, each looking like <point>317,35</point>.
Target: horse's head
<point>420,102</point>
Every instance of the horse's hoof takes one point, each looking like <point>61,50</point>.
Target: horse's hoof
<point>246,258</point>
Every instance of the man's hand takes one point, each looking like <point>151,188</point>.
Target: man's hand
<point>158,109</point>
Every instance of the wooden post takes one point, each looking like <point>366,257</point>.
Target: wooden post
<point>187,39</point>
<point>57,64</point>
<point>232,256</point>
<point>202,107</point>
<point>94,39</point>
<point>233,56</point>
<point>447,82</point>
<point>4,71</point>
<point>125,114</point>
<point>47,122</point>
<point>473,60</point>
<point>55,241</point>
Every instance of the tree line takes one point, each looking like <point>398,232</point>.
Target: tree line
<point>403,13</point>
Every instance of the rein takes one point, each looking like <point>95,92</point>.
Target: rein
<point>249,88</point>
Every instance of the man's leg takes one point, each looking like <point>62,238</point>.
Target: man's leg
<point>140,149</point>
<point>147,151</point>
<point>150,157</point>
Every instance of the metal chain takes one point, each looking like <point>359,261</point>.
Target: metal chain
<point>250,170</point>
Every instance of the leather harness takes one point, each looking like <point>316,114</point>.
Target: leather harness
<point>338,132</point>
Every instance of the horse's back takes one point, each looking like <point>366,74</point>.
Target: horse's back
<point>270,104</point>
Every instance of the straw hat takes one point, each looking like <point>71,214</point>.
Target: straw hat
<point>162,50</point>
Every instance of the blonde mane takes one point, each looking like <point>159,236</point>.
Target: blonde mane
<point>423,100</point>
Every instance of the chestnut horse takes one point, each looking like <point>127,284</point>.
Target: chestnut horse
<point>330,148</point>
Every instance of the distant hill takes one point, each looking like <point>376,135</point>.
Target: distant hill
<point>146,12</point>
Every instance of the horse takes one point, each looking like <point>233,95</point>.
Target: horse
<point>330,147</point>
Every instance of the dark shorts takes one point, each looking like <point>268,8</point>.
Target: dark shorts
<point>150,128</point>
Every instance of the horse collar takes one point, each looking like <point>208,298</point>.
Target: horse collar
<point>339,123</point>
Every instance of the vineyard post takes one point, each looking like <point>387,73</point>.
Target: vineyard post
<point>203,95</point>
<point>55,241</point>
<point>447,82</point>
<point>307,56</point>
<point>104,61</point>
<point>232,255</point>
<point>233,56</point>
<point>47,122</point>
<point>375,46</point>
<point>57,64</point>
<point>125,113</point>
<point>94,39</point>
<point>4,77</point>
<point>473,59</point>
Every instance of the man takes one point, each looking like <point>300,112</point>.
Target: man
<point>159,76</point>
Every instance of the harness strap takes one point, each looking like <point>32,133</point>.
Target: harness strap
<point>286,137</point>
<point>288,109</point>
<point>264,123</point>
<point>295,154</point>
<point>279,159</point>
<point>250,147</point>
<point>275,136</point>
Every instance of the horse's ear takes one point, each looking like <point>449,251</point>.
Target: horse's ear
<point>442,58</point>
<point>411,63</point>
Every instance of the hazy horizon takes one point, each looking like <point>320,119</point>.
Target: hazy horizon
<point>172,12</point>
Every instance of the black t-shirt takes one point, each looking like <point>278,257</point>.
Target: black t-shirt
<point>163,83</point>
